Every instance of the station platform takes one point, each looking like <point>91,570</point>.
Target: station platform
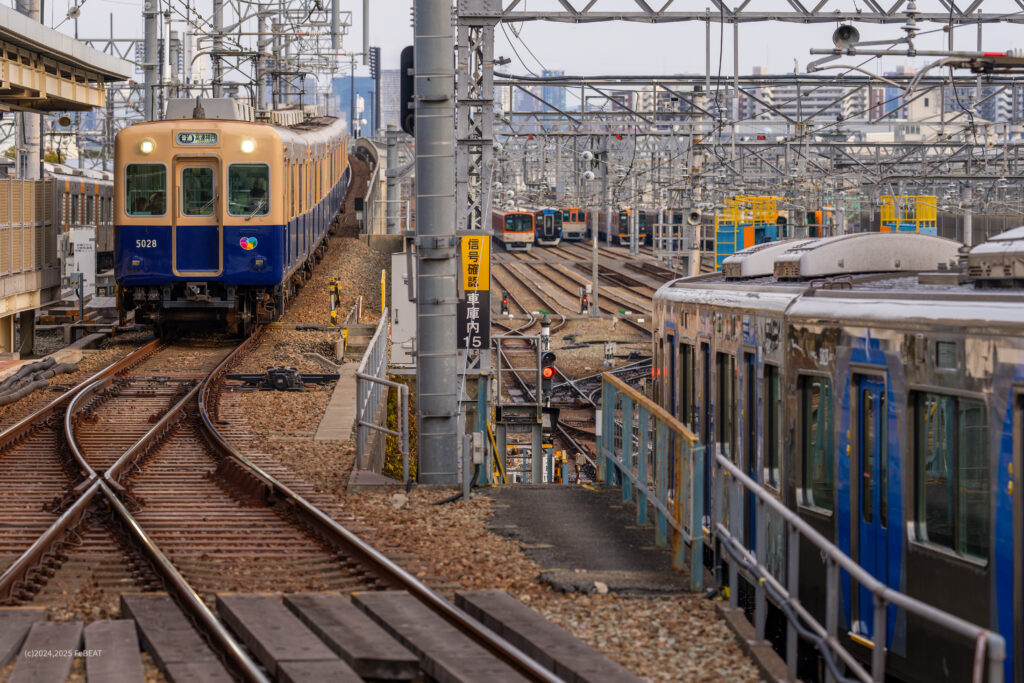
<point>585,539</point>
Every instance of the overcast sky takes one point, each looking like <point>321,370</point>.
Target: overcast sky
<point>606,48</point>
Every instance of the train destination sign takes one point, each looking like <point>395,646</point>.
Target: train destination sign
<point>474,312</point>
<point>196,138</point>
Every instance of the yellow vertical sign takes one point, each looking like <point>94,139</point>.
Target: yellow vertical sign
<point>476,263</point>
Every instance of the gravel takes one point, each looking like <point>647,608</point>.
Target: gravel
<point>92,362</point>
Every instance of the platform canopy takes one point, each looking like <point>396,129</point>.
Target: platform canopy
<point>43,70</point>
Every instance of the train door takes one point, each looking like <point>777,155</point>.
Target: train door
<point>197,245</point>
<point>871,510</point>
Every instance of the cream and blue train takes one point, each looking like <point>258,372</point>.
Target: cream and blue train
<point>222,220</point>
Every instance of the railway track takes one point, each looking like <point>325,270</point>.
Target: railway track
<point>143,491</point>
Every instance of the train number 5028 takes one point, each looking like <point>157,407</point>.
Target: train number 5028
<point>145,244</point>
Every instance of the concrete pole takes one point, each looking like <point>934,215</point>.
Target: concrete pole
<point>352,97</point>
<point>218,45</point>
<point>336,25</point>
<point>151,20</point>
<point>393,196</point>
<point>263,45</point>
<point>366,34</point>
<point>436,355</point>
<point>595,311</point>
<point>30,162</point>
<point>968,215</point>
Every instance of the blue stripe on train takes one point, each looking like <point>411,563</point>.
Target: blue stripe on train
<point>282,248</point>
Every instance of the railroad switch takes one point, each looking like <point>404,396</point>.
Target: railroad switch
<point>282,379</point>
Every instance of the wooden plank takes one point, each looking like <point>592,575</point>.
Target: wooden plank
<point>548,644</point>
<point>354,637</point>
<point>333,670</point>
<point>112,652</point>
<point>179,650</point>
<point>271,631</point>
<point>15,623</point>
<point>48,652</point>
<point>446,654</point>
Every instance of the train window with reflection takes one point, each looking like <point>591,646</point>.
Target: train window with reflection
<point>686,386</point>
<point>952,473</point>
<point>816,445</point>
<point>772,425</point>
<point>248,186</point>
<point>726,405</point>
<point>145,189</point>
<point>197,194</point>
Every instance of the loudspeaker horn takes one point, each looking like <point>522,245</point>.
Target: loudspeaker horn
<point>846,36</point>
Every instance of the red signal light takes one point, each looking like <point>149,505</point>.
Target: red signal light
<point>548,372</point>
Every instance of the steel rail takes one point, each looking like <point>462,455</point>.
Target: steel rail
<point>390,573</point>
<point>601,306</point>
<point>35,554</point>
<point>173,580</point>
<point>25,425</point>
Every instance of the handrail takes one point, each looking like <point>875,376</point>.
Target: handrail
<point>666,484</point>
<point>656,410</point>
<point>995,644</point>
<point>373,364</point>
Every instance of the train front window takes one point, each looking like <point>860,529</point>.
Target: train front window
<point>197,195</point>
<point>248,186</point>
<point>517,222</point>
<point>951,444</point>
<point>145,190</point>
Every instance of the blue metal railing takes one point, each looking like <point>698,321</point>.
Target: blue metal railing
<point>653,457</point>
<point>659,463</point>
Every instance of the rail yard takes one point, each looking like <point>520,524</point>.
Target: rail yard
<point>566,341</point>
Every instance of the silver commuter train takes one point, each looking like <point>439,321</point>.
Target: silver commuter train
<point>873,383</point>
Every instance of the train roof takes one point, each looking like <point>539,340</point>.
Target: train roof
<point>299,141</point>
<point>905,294</point>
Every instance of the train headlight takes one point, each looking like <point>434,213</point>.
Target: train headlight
<point>146,146</point>
<point>248,146</point>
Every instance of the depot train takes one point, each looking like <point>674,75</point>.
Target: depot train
<point>219,219</point>
<point>883,404</point>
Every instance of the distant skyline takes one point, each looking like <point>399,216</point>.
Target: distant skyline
<point>598,48</point>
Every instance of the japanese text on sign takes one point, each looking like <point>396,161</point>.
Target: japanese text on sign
<point>476,261</point>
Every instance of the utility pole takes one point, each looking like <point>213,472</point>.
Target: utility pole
<point>150,18</point>
<point>29,157</point>
<point>352,96</point>
<point>595,309</point>
<point>436,355</point>
<point>218,46</point>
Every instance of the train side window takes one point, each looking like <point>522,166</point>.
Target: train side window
<point>952,473</point>
<point>145,190</point>
<point>89,215</point>
<point>726,404</point>
<point>248,189</point>
<point>772,425</point>
<point>75,199</point>
<point>818,488</point>
<point>686,385</point>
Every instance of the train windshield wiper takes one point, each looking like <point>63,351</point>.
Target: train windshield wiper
<point>259,205</point>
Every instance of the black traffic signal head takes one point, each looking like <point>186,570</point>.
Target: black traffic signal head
<point>407,91</point>
<point>547,375</point>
